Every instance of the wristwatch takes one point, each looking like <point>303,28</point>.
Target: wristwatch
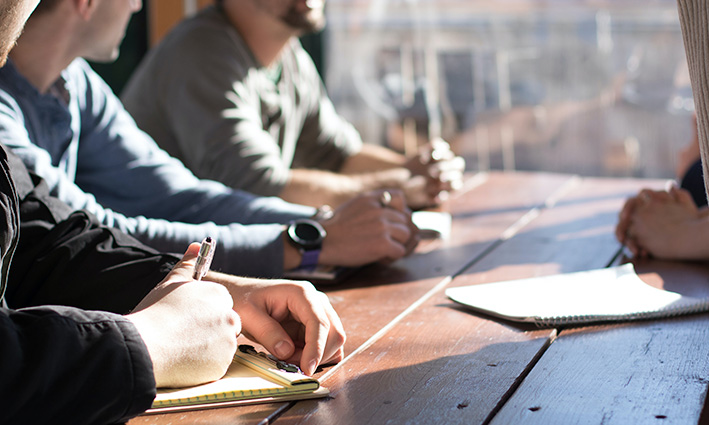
<point>307,235</point>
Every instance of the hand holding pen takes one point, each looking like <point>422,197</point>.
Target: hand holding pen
<point>204,258</point>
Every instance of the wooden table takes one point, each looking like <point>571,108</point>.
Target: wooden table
<point>414,357</point>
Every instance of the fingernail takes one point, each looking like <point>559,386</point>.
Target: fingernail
<point>283,349</point>
<point>312,366</point>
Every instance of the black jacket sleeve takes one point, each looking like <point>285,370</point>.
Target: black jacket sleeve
<point>61,365</point>
<point>66,257</point>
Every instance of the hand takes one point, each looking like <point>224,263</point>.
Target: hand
<point>436,171</point>
<point>665,225</point>
<point>189,327</point>
<point>292,320</point>
<point>629,214</point>
<point>362,231</point>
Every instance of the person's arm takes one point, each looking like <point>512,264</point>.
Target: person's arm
<point>188,326</point>
<point>664,224</point>
<point>65,365</point>
<point>208,109</point>
<point>320,187</point>
<point>113,149</point>
<point>254,250</point>
<point>290,319</point>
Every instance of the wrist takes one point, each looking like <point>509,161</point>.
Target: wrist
<point>291,255</point>
<point>306,236</point>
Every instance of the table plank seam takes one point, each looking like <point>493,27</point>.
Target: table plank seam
<point>510,232</point>
<point>517,382</point>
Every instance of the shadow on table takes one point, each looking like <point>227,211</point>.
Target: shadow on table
<point>460,388</point>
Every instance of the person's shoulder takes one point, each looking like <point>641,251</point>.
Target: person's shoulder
<point>81,77</point>
<point>205,32</point>
<point>80,70</point>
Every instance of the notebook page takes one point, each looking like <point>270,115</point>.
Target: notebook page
<point>611,293</point>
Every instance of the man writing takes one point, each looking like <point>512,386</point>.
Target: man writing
<point>65,283</point>
<point>68,127</point>
<point>232,94</point>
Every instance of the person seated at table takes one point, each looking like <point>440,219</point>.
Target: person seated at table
<point>86,331</point>
<point>232,93</point>
<point>91,323</point>
<point>61,118</point>
<point>669,224</point>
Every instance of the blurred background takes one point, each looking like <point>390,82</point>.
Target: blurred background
<point>592,87</point>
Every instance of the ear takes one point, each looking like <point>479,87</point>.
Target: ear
<point>85,8</point>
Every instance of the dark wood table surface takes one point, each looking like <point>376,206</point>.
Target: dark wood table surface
<point>414,357</point>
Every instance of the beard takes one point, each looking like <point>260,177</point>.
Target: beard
<point>11,23</point>
<point>305,23</point>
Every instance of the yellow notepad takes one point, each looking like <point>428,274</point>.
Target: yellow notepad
<point>251,378</point>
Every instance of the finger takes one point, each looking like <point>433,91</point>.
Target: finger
<point>628,208</point>
<point>397,201</point>
<point>648,196</point>
<point>334,350</point>
<point>632,245</point>
<point>683,197</point>
<point>398,230</point>
<point>455,163</point>
<point>317,329</point>
<point>264,329</point>
<point>413,241</point>
<point>624,217</point>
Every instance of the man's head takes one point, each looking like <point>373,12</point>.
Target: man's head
<point>98,26</point>
<point>107,25</point>
<point>13,14</point>
<point>302,16</point>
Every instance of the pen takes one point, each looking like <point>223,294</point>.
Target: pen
<point>204,258</point>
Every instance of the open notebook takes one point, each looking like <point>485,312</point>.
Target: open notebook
<point>252,378</point>
<point>610,294</point>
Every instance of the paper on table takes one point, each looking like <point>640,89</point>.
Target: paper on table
<point>608,294</point>
<point>433,224</point>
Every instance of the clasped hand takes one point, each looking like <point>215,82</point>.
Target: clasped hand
<point>436,171</point>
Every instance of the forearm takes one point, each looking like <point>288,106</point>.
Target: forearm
<point>254,250</point>
<point>111,375</point>
<point>317,187</point>
<point>372,158</point>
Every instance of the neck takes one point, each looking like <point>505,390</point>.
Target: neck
<point>41,55</point>
<point>265,36</point>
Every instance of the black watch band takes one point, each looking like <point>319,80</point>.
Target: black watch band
<point>307,235</point>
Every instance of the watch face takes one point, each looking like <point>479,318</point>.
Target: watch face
<point>308,234</point>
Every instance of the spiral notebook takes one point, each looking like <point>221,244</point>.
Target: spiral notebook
<point>603,295</point>
<point>253,377</point>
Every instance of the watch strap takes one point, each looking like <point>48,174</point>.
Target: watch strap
<point>310,258</point>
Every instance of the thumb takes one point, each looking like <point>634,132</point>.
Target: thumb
<point>185,267</point>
